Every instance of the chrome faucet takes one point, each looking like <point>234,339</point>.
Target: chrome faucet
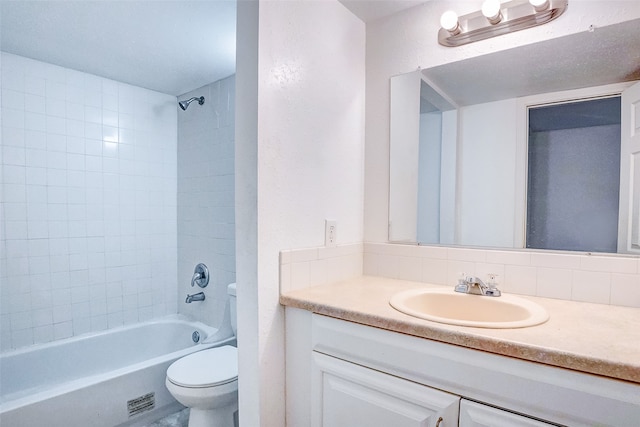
<point>200,276</point>
<point>195,297</point>
<point>474,285</point>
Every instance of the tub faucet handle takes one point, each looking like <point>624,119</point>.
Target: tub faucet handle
<point>200,276</point>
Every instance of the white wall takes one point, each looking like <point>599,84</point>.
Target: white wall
<point>407,40</point>
<point>206,220</point>
<point>302,164</point>
<point>88,231</point>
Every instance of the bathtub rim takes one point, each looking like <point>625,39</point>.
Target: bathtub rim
<point>36,396</point>
<point>171,318</point>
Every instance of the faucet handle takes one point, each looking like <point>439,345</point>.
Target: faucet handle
<point>492,282</point>
<point>462,285</point>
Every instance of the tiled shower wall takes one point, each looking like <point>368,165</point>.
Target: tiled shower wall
<point>206,226</point>
<point>88,203</point>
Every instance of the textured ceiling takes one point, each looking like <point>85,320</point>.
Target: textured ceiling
<point>169,46</point>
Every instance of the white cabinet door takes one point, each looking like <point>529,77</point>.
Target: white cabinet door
<point>349,395</point>
<point>473,414</point>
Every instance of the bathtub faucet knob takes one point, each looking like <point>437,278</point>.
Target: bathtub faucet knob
<point>195,297</point>
<point>200,276</point>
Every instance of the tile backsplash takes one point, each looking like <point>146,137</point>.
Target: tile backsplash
<point>88,227</point>
<point>592,278</point>
<point>582,277</point>
<point>302,268</point>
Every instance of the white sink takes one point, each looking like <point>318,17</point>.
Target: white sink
<point>454,308</point>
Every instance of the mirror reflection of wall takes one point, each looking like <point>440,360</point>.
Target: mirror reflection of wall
<point>422,162</point>
<point>573,184</point>
<point>436,172</point>
<point>561,194</point>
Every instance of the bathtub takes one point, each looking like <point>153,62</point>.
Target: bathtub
<point>112,378</point>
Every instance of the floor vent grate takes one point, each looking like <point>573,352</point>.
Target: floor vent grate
<point>141,404</point>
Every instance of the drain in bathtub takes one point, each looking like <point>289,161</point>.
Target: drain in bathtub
<point>195,336</point>
<point>141,404</point>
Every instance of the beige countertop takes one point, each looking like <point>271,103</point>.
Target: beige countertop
<point>593,338</point>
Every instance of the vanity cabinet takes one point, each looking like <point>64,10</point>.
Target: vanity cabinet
<point>340,373</point>
<point>348,395</point>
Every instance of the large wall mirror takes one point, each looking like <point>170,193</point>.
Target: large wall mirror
<point>469,140</point>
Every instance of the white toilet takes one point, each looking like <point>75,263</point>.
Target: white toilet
<point>207,381</point>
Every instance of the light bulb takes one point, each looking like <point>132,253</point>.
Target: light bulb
<point>449,21</point>
<point>539,5</point>
<point>491,11</point>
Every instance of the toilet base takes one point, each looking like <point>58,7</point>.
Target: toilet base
<point>219,417</point>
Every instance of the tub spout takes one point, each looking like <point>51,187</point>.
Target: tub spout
<point>195,297</point>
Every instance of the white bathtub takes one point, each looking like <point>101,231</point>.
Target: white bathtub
<point>89,380</point>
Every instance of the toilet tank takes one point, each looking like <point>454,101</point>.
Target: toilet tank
<point>231,290</point>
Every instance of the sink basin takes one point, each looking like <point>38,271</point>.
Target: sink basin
<point>454,308</point>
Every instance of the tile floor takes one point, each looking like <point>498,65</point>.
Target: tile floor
<point>177,419</point>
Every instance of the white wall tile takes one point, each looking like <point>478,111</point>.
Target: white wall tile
<point>613,264</point>
<point>14,137</point>
<point>319,270</point>
<point>625,289</point>
<point>371,263</point>
<point>509,257</point>
<point>34,85</point>
<point>553,260</point>
<point>591,286</point>
<point>554,283</point>
<point>434,271</point>
<point>206,218</point>
<point>35,140</point>
<point>467,255</point>
<point>56,213</point>
<point>519,279</point>
<point>388,266</point>
<point>409,268</point>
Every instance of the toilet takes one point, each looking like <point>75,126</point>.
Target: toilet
<point>207,381</point>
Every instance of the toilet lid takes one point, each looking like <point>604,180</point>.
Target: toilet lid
<point>206,368</point>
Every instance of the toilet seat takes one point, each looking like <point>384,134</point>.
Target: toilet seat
<point>206,368</point>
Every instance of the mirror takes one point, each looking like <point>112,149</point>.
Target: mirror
<point>473,193</point>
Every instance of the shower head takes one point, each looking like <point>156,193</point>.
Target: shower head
<point>185,104</point>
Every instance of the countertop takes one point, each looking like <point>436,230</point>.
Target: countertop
<point>592,338</point>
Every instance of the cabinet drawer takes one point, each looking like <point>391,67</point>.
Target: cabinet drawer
<point>473,414</point>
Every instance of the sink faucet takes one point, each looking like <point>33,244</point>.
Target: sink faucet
<point>195,297</point>
<point>475,286</point>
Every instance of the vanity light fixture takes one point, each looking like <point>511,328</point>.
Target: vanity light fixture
<point>496,19</point>
<point>539,5</point>
<point>491,11</point>
<point>449,21</point>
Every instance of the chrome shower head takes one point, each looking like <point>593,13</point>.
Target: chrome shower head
<point>185,104</point>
